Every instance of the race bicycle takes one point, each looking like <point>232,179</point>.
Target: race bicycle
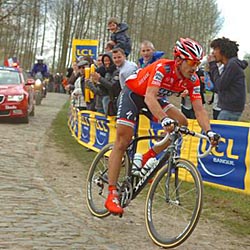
<point>175,196</point>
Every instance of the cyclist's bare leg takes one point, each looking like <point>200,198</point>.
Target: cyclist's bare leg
<point>176,115</point>
<point>124,135</point>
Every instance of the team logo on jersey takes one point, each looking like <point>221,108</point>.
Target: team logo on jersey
<point>196,90</point>
<point>158,76</point>
<point>164,92</point>
<point>167,68</point>
<point>193,78</point>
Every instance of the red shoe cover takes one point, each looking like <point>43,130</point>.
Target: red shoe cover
<point>112,203</point>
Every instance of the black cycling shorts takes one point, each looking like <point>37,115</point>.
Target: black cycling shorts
<point>130,105</point>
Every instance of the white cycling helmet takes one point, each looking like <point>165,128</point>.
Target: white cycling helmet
<point>188,49</point>
<point>39,58</point>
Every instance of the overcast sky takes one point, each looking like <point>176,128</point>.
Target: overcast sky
<point>236,24</point>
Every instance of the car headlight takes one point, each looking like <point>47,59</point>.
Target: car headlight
<point>15,98</point>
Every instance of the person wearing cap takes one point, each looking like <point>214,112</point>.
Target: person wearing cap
<point>77,94</point>
<point>119,35</point>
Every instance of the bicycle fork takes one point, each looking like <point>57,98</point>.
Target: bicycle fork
<point>172,198</point>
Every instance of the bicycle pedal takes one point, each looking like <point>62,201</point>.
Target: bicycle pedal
<point>119,215</point>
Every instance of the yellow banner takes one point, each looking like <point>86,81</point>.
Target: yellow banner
<point>83,48</point>
<point>228,167</point>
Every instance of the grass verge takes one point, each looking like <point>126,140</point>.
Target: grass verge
<point>231,210</point>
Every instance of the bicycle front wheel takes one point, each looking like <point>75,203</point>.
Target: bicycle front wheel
<point>174,204</point>
<point>97,181</point>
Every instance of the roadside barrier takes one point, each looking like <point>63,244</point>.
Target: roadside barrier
<point>228,167</point>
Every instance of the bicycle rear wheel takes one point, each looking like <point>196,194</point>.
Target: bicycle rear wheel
<point>173,209</point>
<point>97,181</point>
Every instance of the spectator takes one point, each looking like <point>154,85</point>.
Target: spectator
<point>148,54</point>
<point>119,35</point>
<point>87,58</point>
<point>95,88</point>
<point>214,99</point>
<point>79,91</point>
<point>64,83</point>
<point>72,78</point>
<point>109,46</point>
<point>113,87</point>
<point>231,83</point>
<point>58,82</point>
<point>69,72</point>
<point>99,61</point>
<point>51,84</point>
<point>88,95</point>
<point>104,75</point>
<point>126,67</point>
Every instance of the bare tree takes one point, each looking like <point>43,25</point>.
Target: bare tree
<point>31,27</point>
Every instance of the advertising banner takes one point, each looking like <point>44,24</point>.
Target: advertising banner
<point>227,166</point>
<point>83,48</point>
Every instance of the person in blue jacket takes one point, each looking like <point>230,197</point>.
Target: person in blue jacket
<point>40,67</point>
<point>148,54</point>
<point>119,35</point>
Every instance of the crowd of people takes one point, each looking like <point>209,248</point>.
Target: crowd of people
<point>113,68</point>
<point>118,86</point>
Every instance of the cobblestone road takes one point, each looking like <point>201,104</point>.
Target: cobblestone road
<point>42,202</point>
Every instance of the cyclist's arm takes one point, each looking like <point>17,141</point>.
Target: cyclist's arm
<point>201,115</point>
<point>152,102</point>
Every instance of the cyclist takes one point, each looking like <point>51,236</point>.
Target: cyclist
<point>148,88</point>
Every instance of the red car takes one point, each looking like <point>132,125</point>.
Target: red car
<point>16,95</point>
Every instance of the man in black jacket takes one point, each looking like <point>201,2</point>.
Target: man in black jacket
<point>230,84</point>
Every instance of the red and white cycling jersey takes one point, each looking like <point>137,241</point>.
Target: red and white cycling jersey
<point>162,74</point>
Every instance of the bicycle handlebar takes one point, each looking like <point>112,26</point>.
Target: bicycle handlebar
<point>186,131</point>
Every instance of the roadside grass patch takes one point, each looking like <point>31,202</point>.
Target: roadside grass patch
<point>228,208</point>
<point>61,135</point>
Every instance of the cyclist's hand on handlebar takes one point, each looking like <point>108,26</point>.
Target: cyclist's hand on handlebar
<point>167,124</point>
<point>213,137</point>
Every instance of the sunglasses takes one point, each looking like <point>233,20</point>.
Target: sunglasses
<point>193,63</point>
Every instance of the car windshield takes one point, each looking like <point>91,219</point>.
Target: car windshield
<point>9,77</point>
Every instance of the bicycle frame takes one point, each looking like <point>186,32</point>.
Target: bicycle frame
<point>168,154</point>
<point>169,191</point>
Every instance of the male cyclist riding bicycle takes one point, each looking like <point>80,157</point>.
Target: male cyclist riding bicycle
<point>148,88</point>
